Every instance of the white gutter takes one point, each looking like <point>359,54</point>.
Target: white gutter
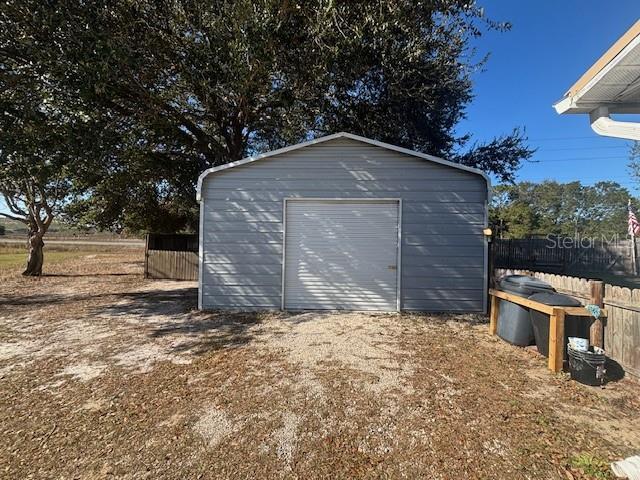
<point>602,124</point>
<point>563,105</point>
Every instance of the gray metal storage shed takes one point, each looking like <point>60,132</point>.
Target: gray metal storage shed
<point>343,222</point>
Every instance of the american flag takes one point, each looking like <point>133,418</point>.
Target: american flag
<point>634,226</point>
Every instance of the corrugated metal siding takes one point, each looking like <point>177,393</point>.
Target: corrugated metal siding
<point>338,255</point>
<point>442,222</point>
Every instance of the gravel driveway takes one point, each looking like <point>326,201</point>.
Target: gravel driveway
<point>106,375</point>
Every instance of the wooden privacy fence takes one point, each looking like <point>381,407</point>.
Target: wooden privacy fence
<point>171,256</point>
<point>564,255</point>
<point>622,325</point>
<point>622,333</point>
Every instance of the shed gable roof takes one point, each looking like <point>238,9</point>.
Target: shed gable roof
<point>335,136</point>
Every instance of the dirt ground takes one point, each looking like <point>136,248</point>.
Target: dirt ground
<point>106,375</point>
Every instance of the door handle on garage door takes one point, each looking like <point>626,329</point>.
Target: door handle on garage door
<point>392,267</point>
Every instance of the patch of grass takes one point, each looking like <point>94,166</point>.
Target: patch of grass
<point>8,248</point>
<point>14,255</point>
<point>48,247</point>
<point>592,466</point>
<point>543,420</point>
<point>12,259</point>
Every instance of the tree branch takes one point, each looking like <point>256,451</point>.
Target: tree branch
<point>13,206</point>
<point>12,217</point>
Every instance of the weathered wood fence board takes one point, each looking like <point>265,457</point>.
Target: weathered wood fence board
<point>563,255</point>
<point>173,257</point>
<point>622,325</point>
<point>172,265</point>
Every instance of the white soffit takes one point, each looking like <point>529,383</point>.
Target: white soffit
<point>612,82</point>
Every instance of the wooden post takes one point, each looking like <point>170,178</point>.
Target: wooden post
<point>146,255</point>
<point>632,235</point>
<point>556,340</point>
<point>490,266</point>
<point>596,334</point>
<point>493,318</point>
<point>634,258</point>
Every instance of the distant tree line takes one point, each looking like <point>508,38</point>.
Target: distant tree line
<point>567,209</point>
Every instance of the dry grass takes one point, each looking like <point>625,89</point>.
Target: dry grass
<point>107,375</point>
<point>13,256</point>
<point>11,261</point>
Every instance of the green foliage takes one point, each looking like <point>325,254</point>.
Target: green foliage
<point>565,209</point>
<point>592,466</point>
<point>511,214</point>
<point>42,146</point>
<point>175,87</point>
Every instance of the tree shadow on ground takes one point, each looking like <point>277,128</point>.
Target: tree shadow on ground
<point>49,299</point>
<point>211,331</point>
<point>171,316</point>
<point>445,317</point>
<point>56,298</point>
<point>77,275</point>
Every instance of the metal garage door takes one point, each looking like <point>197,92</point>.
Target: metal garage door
<point>341,255</point>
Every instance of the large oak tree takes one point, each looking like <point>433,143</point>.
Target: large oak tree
<point>46,143</point>
<point>183,85</point>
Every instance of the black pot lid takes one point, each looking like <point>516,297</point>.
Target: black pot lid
<point>526,281</point>
<point>555,299</point>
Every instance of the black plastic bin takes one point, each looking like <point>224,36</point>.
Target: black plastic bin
<point>587,367</point>
<point>573,326</point>
<point>514,323</point>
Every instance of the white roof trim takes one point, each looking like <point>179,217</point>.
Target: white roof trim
<point>334,136</point>
<point>571,103</point>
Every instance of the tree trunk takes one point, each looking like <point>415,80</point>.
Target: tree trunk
<point>36,256</point>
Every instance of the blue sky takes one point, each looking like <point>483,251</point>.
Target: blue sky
<point>551,44</point>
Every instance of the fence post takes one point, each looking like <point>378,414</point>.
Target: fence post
<point>596,333</point>
<point>490,273</point>
<point>146,255</point>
